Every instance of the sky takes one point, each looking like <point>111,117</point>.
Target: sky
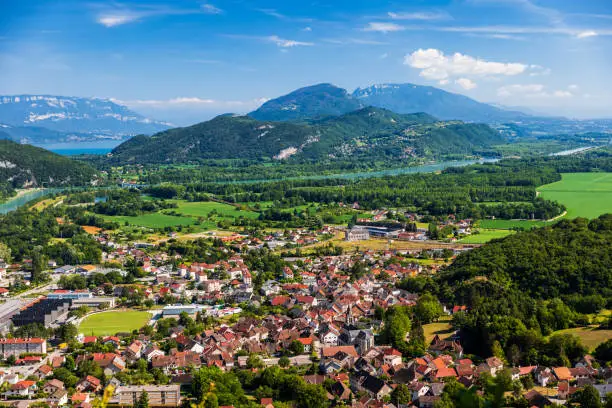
<point>185,61</point>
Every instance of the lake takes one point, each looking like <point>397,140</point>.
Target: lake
<point>74,149</point>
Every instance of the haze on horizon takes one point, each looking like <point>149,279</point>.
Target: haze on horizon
<point>186,61</point>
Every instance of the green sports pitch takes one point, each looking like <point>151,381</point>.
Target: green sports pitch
<point>111,323</point>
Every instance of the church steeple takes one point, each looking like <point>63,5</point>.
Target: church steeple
<point>350,319</point>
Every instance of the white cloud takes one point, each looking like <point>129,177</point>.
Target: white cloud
<point>562,94</point>
<point>437,66</point>
<point>118,14</point>
<point>189,102</point>
<point>284,43</point>
<point>509,90</point>
<point>116,19</point>
<point>531,91</point>
<point>307,29</point>
<point>443,82</point>
<point>466,83</point>
<point>573,87</point>
<point>423,16</point>
<point>211,9</point>
<point>538,70</point>
<point>514,30</point>
<point>586,34</point>
<point>280,42</point>
<point>384,27</point>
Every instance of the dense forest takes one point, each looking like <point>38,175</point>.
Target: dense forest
<point>29,166</point>
<point>520,289</point>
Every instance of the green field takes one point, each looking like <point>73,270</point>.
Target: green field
<point>204,209</point>
<point>584,194</point>
<point>442,328</point>
<point>485,235</point>
<point>154,220</point>
<point>110,323</point>
<point>508,224</point>
<point>591,336</point>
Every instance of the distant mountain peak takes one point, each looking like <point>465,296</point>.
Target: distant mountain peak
<point>66,116</point>
<point>310,102</point>
<point>321,100</point>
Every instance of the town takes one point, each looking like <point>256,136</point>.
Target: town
<point>147,322</point>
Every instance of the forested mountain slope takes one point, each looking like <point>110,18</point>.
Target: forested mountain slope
<point>26,166</point>
<point>365,133</point>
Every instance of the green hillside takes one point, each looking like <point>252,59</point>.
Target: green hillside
<point>371,133</point>
<point>29,166</point>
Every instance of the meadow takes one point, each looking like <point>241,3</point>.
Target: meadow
<point>584,194</point>
<point>206,208</point>
<point>153,220</point>
<point>110,323</point>
<point>485,235</point>
<point>510,224</point>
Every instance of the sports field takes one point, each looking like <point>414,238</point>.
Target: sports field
<point>584,194</point>
<point>110,323</point>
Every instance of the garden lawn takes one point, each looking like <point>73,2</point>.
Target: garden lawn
<point>110,323</point>
<point>584,194</point>
<point>442,328</point>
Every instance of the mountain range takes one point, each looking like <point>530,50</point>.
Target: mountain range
<point>317,101</point>
<point>43,119</point>
<point>366,133</point>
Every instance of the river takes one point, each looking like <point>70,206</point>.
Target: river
<point>572,151</point>
<point>23,198</point>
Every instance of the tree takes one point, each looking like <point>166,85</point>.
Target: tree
<point>254,361</point>
<point>284,362</point>
<point>427,309</point>
<point>588,397</point>
<point>311,396</point>
<point>296,347</point>
<point>5,252</point>
<point>67,332</point>
<point>39,264</point>
<point>143,400</point>
<point>401,395</point>
<point>397,326</point>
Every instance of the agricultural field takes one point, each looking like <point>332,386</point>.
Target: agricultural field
<point>110,323</point>
<point>204,209</point>
<point>584,194</point>
<point>510,224</point>
<point>154,220</point>
<point>485,235</point>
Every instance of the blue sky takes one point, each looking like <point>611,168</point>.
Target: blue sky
<point>186,60</point>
